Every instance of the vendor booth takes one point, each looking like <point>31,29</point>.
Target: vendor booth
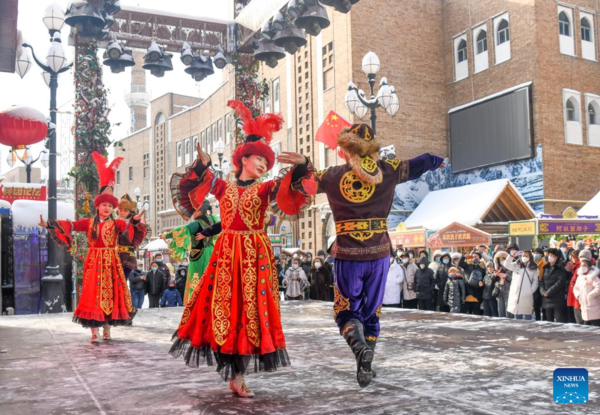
<point>458,237</point>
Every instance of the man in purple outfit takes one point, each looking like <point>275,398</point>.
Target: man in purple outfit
<point>360,195</point>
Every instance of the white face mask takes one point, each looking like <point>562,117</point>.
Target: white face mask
<point>525,259</point>
<point>411,256</point>
<point>551,259</point>
<point>317,265</point>
<point>564,250</point>
<point>405,260</point>
<point>294,266</point>
<point>584,270</point>
<point>422,266</point>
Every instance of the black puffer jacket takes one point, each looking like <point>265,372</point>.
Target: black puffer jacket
<point>424,281</point>
<point>473,276</point>
<point>441,276</point>
<point>155,283</point>
<point>454,292</point>
<point>552,285</point>
<point>490,282</point>
<point>135,280</point>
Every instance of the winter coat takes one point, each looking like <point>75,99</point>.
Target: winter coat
<point>295,282</point>
<point>320,283</point>
<point>523,287</point>
<point>587,291</point>
<point>408,285</point>
<point>424,282</point>
<point>434,266</point>
<point>135,280</point>
<point>571,300</point>
<point>155,282</point>
<point>180,279</point>
<point>162,267</point>
<point>552,285</point>
<point>441,277</point>
<point>473,276</point>
<point>454,292</point>
<point>490,282</point>
<point>505,287</point>
<point>306,266</point>
<point>171,298</point>
<point>393,284</point>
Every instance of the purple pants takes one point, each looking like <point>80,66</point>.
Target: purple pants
<point>359,288</point>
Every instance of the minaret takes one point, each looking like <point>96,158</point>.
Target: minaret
<point>138,97</point>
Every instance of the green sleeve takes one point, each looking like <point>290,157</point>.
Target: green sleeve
<point>179,241</point>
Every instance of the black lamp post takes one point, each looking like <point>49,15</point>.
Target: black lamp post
<point>27,160</point>
<point>357,103</point>
<point>220,149</point>
<point>53,300</point>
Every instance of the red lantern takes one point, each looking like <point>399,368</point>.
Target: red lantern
<point>22,126</point>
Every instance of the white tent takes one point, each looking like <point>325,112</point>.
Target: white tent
<point>591,208</point>
<point>470,205</point>
<point>157,245</point>
<point>26,213</point>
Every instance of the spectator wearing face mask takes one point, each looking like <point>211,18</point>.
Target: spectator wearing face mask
<point>454,291</point>
<point>409,295</point>
<point>295,281</point>
<point>137,285</point>
<point>163,268</point>
<point>155,285</point>
<point>490,291</point>
<point>552,287</point>
<point>441,277</point>
<point>564,249</point>
<point>434,266</point>
<point>474,272</point>
<point>171,297</point>
<point>484,251</point>
<point>525,281</point>
<point>572,267</point>
<point>424,284</point>
<point>538,257</point>
<point>307,263</point>
<point>392,296</point>
<point>572,302</point>
<point>504,283</point>
<point>180,279</point>
<point>321,280</point>
<point>587,292</point>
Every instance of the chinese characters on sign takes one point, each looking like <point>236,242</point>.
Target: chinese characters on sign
<point>408,239</point>
<point>568,227</point>
<point>10,193</point>
<point>458,235</point>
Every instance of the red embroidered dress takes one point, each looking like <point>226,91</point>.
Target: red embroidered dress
<point>234,310</point>
<point>105,298</point>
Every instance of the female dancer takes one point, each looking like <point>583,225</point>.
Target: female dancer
<point>233,314</point>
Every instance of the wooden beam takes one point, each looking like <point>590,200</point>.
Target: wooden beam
<point>523,206</point>
<point>507,205</point>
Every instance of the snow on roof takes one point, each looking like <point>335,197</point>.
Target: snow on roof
<point>466,205</point>
<point>4,204</point>
<point>591,208</point>
<point>490,97</point>
<point>157,245</point>
<point>26,213</point>
<point>23,185</point>
<point>138,9</point>
<point>26,113</point>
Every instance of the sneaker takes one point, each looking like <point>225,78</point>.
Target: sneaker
<point>240,387</point>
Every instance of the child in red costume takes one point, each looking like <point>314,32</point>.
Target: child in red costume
<point>105,300</point>
<point>233,314</point>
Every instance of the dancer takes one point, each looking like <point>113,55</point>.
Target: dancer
<point>233,313</point>
<point>105,300</point>
<point>135,236</point>
<point>360,195</point>
<point>198,237</point>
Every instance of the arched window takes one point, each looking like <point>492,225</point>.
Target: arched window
<point>462,51</point>
<point>503,32</point>
<point>160,118</point>
<point>592,114</point>
<point>586,30</point>
<point>564,24</point>
<point>482,42</point>
<point>571,113</point>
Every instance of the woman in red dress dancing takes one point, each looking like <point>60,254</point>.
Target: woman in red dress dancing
<point>233,315</point>
<point>105,300</point>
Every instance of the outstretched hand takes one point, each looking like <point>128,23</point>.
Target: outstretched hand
<point>43,223</point>
<point>139,215</point>
<point>202,156</point>
<point>288,157</point>
<point>200,237</point>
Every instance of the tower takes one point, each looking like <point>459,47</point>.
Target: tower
<point>137,97</point>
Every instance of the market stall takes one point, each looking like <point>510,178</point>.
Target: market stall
<point>458,237</point>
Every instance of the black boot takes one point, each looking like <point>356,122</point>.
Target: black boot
<point>355,337</point>
<point>372,344</point>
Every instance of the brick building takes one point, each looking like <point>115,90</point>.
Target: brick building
<point>445,57</point>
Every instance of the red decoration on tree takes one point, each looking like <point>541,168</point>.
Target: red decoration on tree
<point>22,126</point>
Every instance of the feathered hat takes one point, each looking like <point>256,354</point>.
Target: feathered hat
<point>259,132</point>
<point>128,203</point>
<point>107,173</point>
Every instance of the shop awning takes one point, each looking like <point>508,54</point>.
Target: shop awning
<point>495,201</point>
<point>591,208</point>
<point>458,235</point>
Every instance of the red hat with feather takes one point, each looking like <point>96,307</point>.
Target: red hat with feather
<point>259,132</point>
<point>107,173</point>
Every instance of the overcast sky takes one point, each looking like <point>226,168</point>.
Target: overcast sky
<point>33,92</point>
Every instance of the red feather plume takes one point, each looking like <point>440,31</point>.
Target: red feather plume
<point>264,126</point>
<point>106,172</point>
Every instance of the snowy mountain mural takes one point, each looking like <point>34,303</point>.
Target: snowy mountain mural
<point>526,175</point>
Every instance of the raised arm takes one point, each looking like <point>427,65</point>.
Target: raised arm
<point>416,167</point>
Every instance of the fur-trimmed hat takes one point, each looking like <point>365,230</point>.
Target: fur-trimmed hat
<point>361,150</point>
<point>128,203</point>
<point>455,255</point>
<point>454,270</point>
<point>106,173</point>
<point>258,134</point>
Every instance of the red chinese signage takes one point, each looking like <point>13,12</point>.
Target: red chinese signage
<point>408,239</point>
<point>458,235</point>
<point>15,191</point>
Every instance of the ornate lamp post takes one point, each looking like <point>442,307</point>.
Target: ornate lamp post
<point>357,103</point>
<point>220,149</point>
<point>27,160</point>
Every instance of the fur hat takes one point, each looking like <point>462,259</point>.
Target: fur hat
<point>259,132</point>
<point>106,173</point>
<point>361,150</point>
<point>455,255</point>
<point>453,270</point>
<point>127,203</point>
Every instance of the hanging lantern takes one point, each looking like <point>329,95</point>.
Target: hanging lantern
<point>22,126</point>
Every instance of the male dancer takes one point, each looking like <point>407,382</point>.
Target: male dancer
<point>360,195</point>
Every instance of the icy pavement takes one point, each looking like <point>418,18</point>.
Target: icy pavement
<point>427,363</point>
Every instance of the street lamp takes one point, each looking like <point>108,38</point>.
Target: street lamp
<point>220,149</point>
<point>27,160</point>
<point>138,193</point>
<point>357,103</point>
<point>56,63</point>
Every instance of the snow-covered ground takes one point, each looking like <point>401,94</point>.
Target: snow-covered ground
<point>427,363</point>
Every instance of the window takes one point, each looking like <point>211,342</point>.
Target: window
<point>187,151</point>
<point>227,128</point>
<point>130,173</point>
<point>214,133</point>
<point>208,140</point>
<point>462,51</point>
<point>118,177</point>
<point>203,141</point>
<point>593,129</point>
<point>592,114</point>
<point>276,102</point>
<point>194,144</point>
<point>179,155</point>
<point>503,32</point>
<point>220,130</point>
<point>268,102</point>
<point>146,165</point>
<point>482,42</point>
<point>571,114</point>
<point>502,51</point>
<point>564,25</point>
<point>586,30</point>
<point>160,118</point>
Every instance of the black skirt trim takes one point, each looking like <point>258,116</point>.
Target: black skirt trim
<point>228,365</point>
<point>96,324</point>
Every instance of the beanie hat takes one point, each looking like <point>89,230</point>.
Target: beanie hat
<point>580,246</point>
<point>585,254</point>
